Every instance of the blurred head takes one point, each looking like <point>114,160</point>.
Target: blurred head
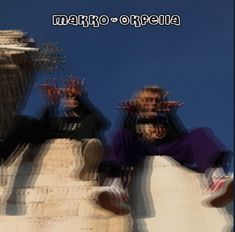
<point>149,98</point>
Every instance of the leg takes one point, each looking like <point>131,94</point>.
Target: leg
<point>199,148</point>
<point>127,151</point>
<point>92,152</point>
<point>201,151</point>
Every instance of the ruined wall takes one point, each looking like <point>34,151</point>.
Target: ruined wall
<point>43,193</point>
<point>16,74</point>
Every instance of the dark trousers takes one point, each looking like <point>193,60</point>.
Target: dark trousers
<point>198,150</point>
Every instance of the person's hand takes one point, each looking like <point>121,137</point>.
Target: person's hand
<point>167,106</point>
<point>147,110</point>
<point>152,132</point>
<point>52,93</point>
<point>74,87</point>
<point>129,106</point>
<point>157,131</point>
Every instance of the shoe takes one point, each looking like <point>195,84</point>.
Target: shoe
<point>92,153</point>
<point>114,202</point>
<point>217,184</point>
<point>224,198</point>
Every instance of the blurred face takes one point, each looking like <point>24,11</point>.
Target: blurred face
<point>70,103</point>
<point>149,101</point>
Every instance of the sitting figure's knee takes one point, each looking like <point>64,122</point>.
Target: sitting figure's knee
<point>92,153</point>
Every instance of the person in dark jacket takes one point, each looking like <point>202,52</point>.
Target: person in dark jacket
<point>71,115</point>
<point>67,114</point>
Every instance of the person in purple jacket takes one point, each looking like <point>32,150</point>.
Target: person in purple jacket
<point>151,127</point>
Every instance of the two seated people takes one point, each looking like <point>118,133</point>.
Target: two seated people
<point>150,127</point>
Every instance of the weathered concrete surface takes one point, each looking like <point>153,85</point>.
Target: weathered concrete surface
<point>42,194</point>
<point>170,198</point>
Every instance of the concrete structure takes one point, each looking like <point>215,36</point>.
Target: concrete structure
<point>20,61</point>
<point>16,74</point>
<point>42,194</point>
<point>172,198</point>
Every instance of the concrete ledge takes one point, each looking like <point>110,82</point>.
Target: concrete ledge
<point>41,194</point>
